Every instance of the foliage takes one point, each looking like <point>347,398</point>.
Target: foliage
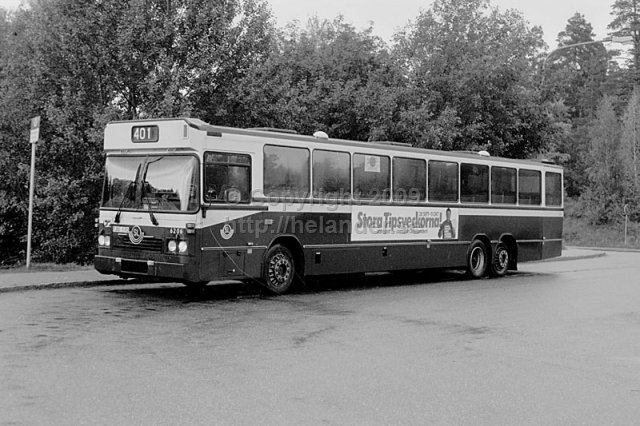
<point>580,232</point>
<point>626,22</point>
<point>81,64</point>
<point>630,150</point>
<point>326,76</point>
<point>471,75</point>
<point>576,74</point>
<point>605,194</point>
<point>462,76</point>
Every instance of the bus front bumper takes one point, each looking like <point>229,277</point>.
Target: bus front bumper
<point>125,267</point>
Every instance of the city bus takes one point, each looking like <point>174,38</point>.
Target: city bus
<point>191,202</point>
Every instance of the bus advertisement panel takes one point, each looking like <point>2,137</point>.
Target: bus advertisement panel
<point>393,223</point>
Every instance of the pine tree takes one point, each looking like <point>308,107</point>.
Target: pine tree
<point>626,23</point>
<point>631,147</point>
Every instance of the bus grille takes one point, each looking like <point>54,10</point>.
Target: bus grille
<point>148,244</point>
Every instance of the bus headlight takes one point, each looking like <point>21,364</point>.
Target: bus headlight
<point>172,246</point>
<point>182,246</point>
<point>104,240</point>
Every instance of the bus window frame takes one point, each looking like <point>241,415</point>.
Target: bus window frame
<point>379,197</point>
<point>350,172</point>
<point>491,195</point>
<point>540,184</point>
<point>561,192</point>
<point>457,163</point>
<point>308,195</point>
<point>210,203</point>
<point>425,161</point>
<point>488,186</point>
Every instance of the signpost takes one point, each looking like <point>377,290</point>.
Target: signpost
<point>33,139</point>
<point>625,210</point>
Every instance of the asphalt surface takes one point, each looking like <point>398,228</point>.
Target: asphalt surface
<point>554,343</point>
<point>21,281</point>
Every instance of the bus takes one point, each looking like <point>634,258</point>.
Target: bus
<point>191,202</point>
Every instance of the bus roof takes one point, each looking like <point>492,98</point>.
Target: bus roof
<point>288,135</point>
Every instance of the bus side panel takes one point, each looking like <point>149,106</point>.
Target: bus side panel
<point>380,258</point>
<point>522,228</point>
<point>447,255</point>
<point>530,233</point>
<point>552,246</point>
<point>529,250</point>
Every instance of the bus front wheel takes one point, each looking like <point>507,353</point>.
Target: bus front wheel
<point>279,269</point>
<point>500,262</point>
<point>477,259</point>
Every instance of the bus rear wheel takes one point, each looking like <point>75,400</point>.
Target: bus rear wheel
<point>279,270</point>
<point>477,259</point>
<point>500,262</point>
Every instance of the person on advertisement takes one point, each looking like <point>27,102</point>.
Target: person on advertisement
<point>447,230</point>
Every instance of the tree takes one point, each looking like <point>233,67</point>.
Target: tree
<point>631,148</point>
<point>576,74</point>
<point>81,64</point>
<point>470,70</point>
<point>605,195</point>
<point>626,22</point>
<point>324,76</point>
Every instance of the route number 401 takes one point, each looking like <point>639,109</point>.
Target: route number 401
<point>144,134</point>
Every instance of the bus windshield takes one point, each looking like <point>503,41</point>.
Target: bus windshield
<point>158,183</point>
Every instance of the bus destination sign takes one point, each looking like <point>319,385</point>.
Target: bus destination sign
<point>144,134</point>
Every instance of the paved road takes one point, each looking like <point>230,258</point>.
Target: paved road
<point>556,343</point>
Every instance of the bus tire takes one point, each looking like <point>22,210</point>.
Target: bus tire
<point>477,259</point>
<point>279,269</point>
<point>500,261</point>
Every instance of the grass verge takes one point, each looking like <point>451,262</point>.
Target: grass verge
<point>46,267</point>
<point>580,233</point>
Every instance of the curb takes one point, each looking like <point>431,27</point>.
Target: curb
<point>72,284</point>
<point>605,249</point>
<point>577,257</point>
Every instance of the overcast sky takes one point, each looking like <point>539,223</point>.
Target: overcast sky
<point>388,15</point>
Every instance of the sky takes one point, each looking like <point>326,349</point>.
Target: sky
<point>389,15</point>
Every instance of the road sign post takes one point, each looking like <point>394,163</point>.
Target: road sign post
<point>33,139</point>
<point>626,222</point>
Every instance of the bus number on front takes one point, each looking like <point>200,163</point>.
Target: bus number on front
<point>176,231</point>
<point>145,134</point>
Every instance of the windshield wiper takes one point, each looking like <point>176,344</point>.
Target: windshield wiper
<point>143,191</point>
<point>125,198</point>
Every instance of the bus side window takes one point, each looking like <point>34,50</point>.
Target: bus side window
<point>553,188</point>
<point>503,185</point>
<point>409,179</point>
<point>529,187</point>
<point>443,181</point>
<point>474,183</point>
<point>371,177</point>
<point>227,177</point>
<point>331,174</point>
<point>286,171</point>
